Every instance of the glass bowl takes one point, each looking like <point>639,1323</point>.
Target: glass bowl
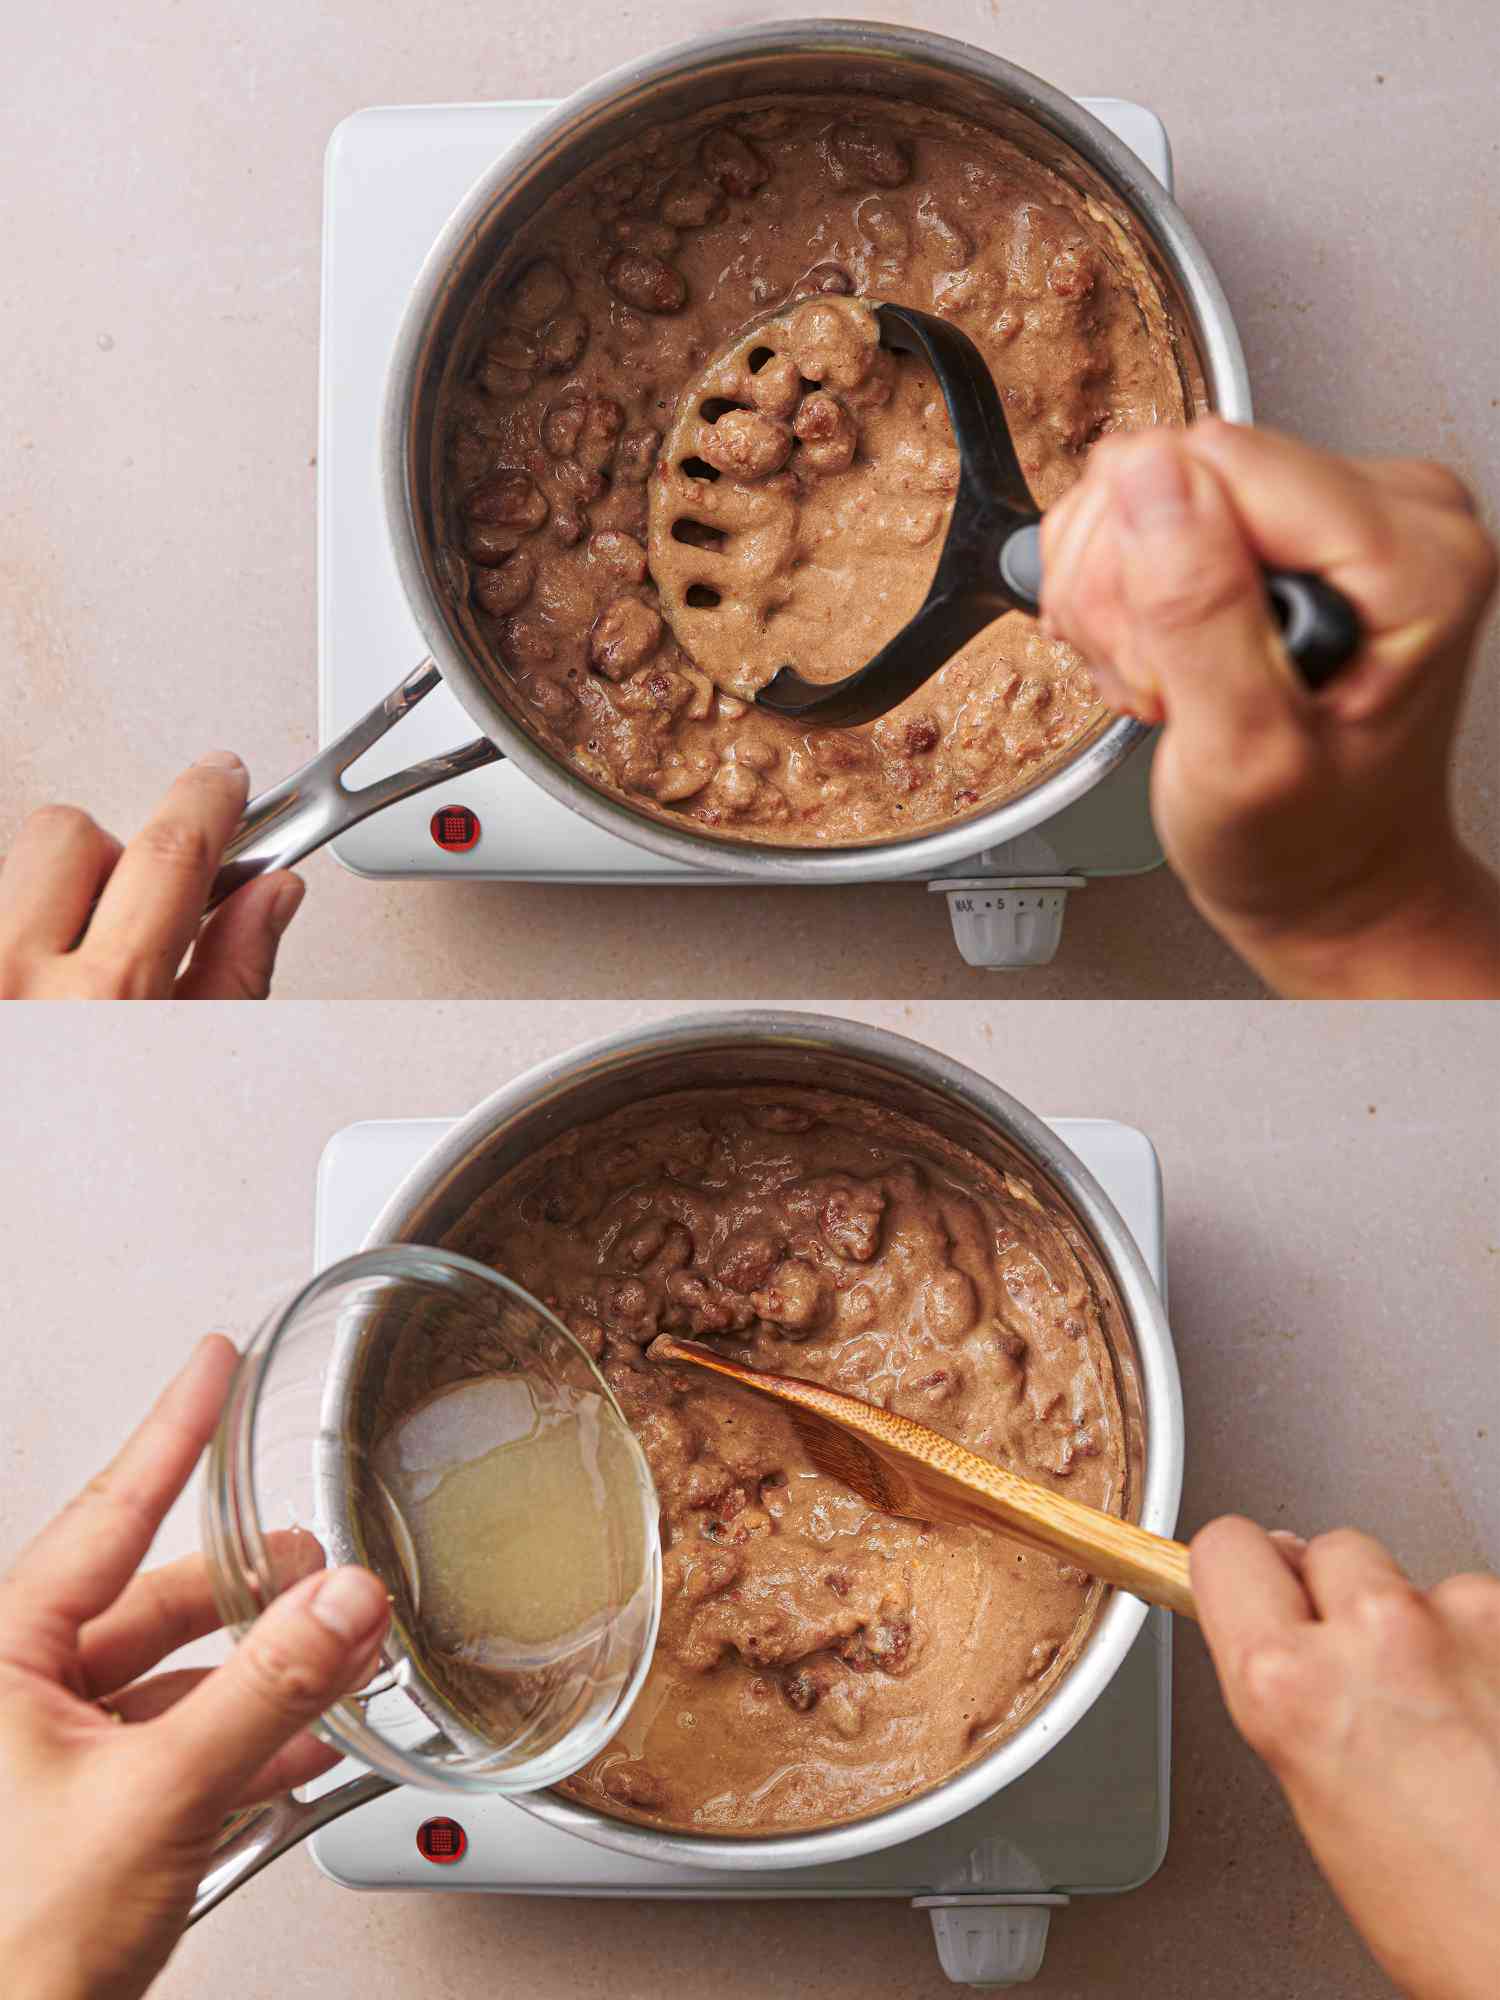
<point>306,1442</point>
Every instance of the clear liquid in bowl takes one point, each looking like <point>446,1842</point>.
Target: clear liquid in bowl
<point>504,1511</point>
<point>504,1514</point>
<point>419,1413</point>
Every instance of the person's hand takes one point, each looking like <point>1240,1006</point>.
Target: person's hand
<point>1312,831</point>
<point>106,1829</point>
<point>150,899</point>
<point>1377,1706</point>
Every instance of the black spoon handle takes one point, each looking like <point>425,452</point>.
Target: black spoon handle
<point>1319,627</point>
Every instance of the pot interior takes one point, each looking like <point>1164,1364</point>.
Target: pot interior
<point>807,58</point>
<point>608,1080</point>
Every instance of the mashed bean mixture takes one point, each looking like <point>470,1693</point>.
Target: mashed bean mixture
<point>818,1660</point>
<point>767,563</point>
<point>615,297</point>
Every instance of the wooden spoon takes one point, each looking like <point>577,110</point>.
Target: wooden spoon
<point>902,1467</point>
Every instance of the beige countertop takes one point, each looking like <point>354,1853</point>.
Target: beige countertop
<point>1333,1219</point>
<point>158,417</point>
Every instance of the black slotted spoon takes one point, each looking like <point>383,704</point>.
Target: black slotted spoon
<point>991,561</point>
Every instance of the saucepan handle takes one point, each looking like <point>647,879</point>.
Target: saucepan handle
<point>255,1838</point>
<point>1319,626</point>
<point>314,805</point>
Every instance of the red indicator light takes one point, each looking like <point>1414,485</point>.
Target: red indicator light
<point>443,1841</point>
<point>455,829</point>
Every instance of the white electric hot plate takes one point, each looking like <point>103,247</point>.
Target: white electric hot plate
<point>392,177</point>
<point>1089,1820</point>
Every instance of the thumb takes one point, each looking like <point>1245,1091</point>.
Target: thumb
<point>312,1645</point>
<point>1196,626</point>
<point>235,955</point>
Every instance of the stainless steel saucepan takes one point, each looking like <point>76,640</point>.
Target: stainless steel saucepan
<point>867,58</point>
<point>771,1047</point>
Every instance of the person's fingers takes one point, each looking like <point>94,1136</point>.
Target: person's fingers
<point>147,1699</point>
<point>313,1644</point>
<point>1248,1594</point>
<point>1469,1603</point>
<point>1307,509</point>
<point>1302,508</point>
<point>156,1613</point>
<point>1345,1570</point>
<point>235,954</point>
<point>164,1609</point>
<point>1258,1624</point>
<point>1398,536</point>
<point>1291,1548</point>
<point>1081,600</point>
<point>1067,530</point>
<point>1082,605</point>
<point>1195,622</point>
<point>150,910</point>
<point>296,1763</point>
<point>79,1564</point>
<point>60,861</point>
<point>1419,479</point>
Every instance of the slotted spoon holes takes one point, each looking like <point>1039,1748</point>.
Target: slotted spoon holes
<point>702,586</point>
<point>713,407</point>
<point>703,591</point>
<point>698,534</point>
<point>720,541</point>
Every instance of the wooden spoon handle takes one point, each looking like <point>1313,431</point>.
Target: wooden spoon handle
<point>1150,1566</point>
<point>909,1469</point>
<point>945,1480</point>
